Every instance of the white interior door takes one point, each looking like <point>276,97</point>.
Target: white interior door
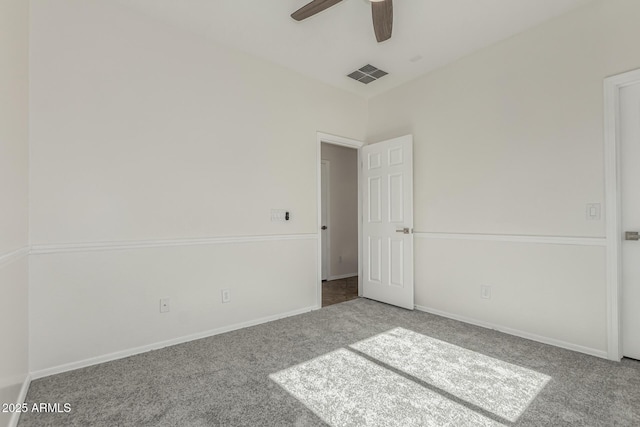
<point>387,223</point>
<point>324,214</point>
<point>630,187</point>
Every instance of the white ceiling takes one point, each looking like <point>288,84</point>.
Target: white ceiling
<point>339,40</point>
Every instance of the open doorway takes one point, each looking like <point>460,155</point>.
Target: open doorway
<point>339,223</point>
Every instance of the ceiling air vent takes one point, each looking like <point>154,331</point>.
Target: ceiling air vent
<point>367,74</point>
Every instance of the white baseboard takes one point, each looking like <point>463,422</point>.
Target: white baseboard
<point>15,417</point>
<point>342,276</point>
<point>516,332</point>
<point>156,346</point>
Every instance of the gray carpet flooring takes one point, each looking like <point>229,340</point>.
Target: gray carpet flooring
<point>326,368</point>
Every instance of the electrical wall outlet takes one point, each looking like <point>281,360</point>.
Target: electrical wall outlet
<point>340,259</point>
<point>164,305</point>
<point>485,291</point>
<point>226,296</point>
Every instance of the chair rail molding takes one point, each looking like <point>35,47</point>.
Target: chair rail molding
<point>143,244</point>
<point>9,257</point>
<point>548,240</point>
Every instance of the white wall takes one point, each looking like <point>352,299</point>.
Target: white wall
<point>105,302</point>
<point>509,141</point>
<point>141,131</point>
<point>14,353</point>
<point>147,136</point>
<point>13,199</point>
<point>14,136</point>
<point>343,209</point>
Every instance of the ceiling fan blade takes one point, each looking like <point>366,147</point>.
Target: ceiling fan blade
<point>382,12</point>
<point>312,8</point>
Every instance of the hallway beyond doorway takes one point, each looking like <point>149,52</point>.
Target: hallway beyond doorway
<point>341,290</point>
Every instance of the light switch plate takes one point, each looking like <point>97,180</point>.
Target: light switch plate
<point>278,215</point>
<point>594,211</point>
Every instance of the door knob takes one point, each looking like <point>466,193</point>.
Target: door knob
<point>631,235</point>
<point>405,230</point>
<point>324,227</point>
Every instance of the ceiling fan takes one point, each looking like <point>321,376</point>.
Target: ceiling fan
<point>381,10</point>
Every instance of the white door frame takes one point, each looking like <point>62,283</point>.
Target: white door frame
<point>344,142</point>
<point>612,87</point>
<point>327,241</point>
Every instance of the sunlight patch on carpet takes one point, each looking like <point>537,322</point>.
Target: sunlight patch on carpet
<point>496,386</point>
<point>345,389</point>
